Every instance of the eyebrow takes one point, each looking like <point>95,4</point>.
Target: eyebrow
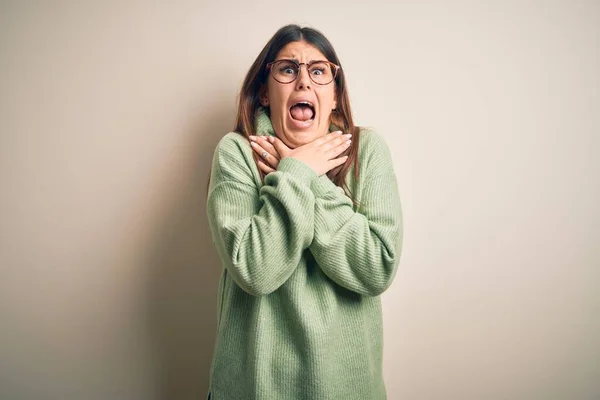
<point>298,61</point>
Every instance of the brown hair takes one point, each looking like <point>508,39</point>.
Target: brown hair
<point>341,117</point>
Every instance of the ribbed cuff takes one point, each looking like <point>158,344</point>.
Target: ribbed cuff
<point>322,185</point>
<point>298,169</point>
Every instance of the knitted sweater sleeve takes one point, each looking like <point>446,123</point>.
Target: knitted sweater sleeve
<point>360,250</point>
<point>260,232</point>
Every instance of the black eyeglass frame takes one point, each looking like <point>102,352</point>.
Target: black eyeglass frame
<point>336,69</point>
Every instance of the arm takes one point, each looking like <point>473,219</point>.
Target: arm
<point>360,250</point>
<point>260,233</point>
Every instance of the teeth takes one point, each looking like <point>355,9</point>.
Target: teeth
<point>308,103</point>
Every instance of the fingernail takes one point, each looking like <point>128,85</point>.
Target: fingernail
<point>348,135</point>
<point>253,144</point>
<point>271,139</point>
<point>348,142</point>
<point>252,137</point>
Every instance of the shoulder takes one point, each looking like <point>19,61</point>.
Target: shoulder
<point>372,145</point>
<point>232,144</point>
<point>232,159</point>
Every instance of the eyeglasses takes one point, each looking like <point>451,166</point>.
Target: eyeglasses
<point>320,72</point>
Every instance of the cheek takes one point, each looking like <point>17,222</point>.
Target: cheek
<point>277,97</point>
<point>327,103</point>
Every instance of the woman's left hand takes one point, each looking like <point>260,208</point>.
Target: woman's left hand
<point>269,157</point>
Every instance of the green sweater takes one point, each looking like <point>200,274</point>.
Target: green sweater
<point>299,311</point>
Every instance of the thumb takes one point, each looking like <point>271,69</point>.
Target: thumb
<point>281,148</point>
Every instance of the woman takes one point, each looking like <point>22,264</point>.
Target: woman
<point>308,225</point>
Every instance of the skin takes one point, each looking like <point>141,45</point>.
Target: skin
<point>279,97</point>
<point>312,144</point>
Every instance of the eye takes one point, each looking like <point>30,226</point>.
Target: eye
<point>287,68</point>
<point>319,69</point>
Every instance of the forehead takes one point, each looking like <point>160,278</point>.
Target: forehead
<point>301,51</point>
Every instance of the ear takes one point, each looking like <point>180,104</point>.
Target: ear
<point>264,96</point>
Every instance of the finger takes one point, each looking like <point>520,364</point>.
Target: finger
<point>264,167</point>
<point>330,145</point>
<point>272,161</point>
<point>323,142</point>
<point>337,162</point>
<point>265,144</point>
<point>339,146</point>
<point>281,148</point>
<point>333,135</point>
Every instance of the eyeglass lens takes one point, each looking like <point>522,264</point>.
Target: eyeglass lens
<point>286,71</point>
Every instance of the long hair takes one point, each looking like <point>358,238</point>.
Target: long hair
<point>249,101</point>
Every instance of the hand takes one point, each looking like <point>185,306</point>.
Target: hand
<point>319,154</point>
<point>268,157</point>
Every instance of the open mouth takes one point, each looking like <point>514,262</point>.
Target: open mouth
<point>303,111</point>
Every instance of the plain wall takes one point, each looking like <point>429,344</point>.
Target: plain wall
<point>109,115</point>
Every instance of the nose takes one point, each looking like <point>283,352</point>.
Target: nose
<point>303,80</point>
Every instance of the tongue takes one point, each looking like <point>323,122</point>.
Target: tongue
<point>302,112</point>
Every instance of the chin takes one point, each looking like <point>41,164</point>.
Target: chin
<point>297,138</point>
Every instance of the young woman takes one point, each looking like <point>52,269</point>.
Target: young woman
<point>305,214</point>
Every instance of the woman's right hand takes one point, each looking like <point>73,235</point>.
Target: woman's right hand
<point>319,154</point>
